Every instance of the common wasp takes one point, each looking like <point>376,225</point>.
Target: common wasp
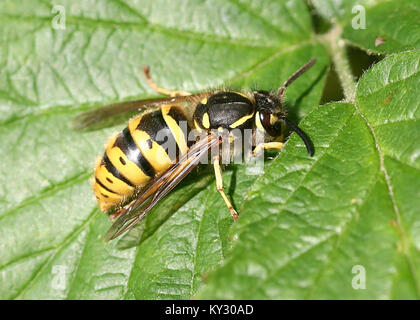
<point>137,170</point>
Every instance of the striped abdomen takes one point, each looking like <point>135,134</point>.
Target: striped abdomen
<point>146,148</point>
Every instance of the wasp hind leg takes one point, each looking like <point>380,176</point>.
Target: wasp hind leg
<point>154,86</point>
<point>219,186</point>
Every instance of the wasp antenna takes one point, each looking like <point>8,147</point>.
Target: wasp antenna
<point>294,76</point>
<point>302,135</point>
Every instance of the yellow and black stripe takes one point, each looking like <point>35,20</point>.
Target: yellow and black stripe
<point>139,153</point>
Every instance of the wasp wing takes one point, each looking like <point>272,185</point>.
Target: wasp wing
<point>139,207</point>
<point>94,116</point>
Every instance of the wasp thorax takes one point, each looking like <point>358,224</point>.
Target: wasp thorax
<point>225,109</point>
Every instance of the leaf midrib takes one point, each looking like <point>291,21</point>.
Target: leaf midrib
<point>402,232</point>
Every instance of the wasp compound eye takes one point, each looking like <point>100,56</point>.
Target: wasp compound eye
<point>270,123</point>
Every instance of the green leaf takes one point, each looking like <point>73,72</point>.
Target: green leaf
<point>390,27</point>
<point>340,10</point>
<point>308,225</point>
<point>50,226</point>
<point>377,26</point>
<point>309,222</point>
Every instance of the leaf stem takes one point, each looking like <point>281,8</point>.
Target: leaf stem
<point>336,47</point>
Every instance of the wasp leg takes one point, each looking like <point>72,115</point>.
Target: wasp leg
<point>268,145</point>
<point>219,186</point>
<point>154,86</point>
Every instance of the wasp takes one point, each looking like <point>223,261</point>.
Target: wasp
<point>136,170</point>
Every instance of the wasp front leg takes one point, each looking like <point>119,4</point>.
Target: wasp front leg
<point>154,86</point>
<point>219,186</point>
<point>267,145</point>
